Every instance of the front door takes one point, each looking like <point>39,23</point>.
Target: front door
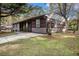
<point>23,26</point>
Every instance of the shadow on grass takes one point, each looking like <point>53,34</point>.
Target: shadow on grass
<point>77,54</point>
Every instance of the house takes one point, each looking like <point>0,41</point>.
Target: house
<point>35,24</point>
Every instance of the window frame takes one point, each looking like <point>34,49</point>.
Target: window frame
<point>37,23</point>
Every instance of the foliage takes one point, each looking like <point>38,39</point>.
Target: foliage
<point>73,25</point>
<point>16,8</point>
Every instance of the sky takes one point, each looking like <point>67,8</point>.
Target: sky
<point>77,6</point>
<point>46,5</point>
<point>43,5</point>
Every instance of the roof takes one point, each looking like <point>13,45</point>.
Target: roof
<point>55,16</point>
<point>27,18</point>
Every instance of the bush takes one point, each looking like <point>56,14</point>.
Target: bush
<point>73,25</point>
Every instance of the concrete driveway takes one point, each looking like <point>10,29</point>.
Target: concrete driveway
<point>17,36</point>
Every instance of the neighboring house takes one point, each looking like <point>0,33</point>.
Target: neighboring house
<point>36,24</point>
<point>6,28</point>
<point>6,24</point>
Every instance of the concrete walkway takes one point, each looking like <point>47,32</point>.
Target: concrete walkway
<point>17,36</point>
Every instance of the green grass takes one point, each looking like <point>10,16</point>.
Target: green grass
<point>55,45</point>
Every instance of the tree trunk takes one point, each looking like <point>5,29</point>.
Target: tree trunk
<point>65,29</point>
<point>48,29</point>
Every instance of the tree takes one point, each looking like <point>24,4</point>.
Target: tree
<point>78,19</point>
<point>10,10</point>
<point>73,25</point>
<point>62,9</point>
<point>14,9</point>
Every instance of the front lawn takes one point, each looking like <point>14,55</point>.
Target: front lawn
<point>58,44</point>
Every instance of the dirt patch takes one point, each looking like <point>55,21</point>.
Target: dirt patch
<point>77,54</point>
<point>58,36</point>
<point>10,47</point>
<point>48,36</point>
<point>66,36</point>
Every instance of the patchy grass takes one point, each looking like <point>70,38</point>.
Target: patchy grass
<point>56,45</point>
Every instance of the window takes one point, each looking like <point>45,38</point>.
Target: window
<point>37,23</point>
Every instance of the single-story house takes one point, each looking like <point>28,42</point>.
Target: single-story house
<point>34,24</point>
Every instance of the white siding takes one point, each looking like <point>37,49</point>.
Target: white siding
<point>39,30</point>
<point>38,23</point>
